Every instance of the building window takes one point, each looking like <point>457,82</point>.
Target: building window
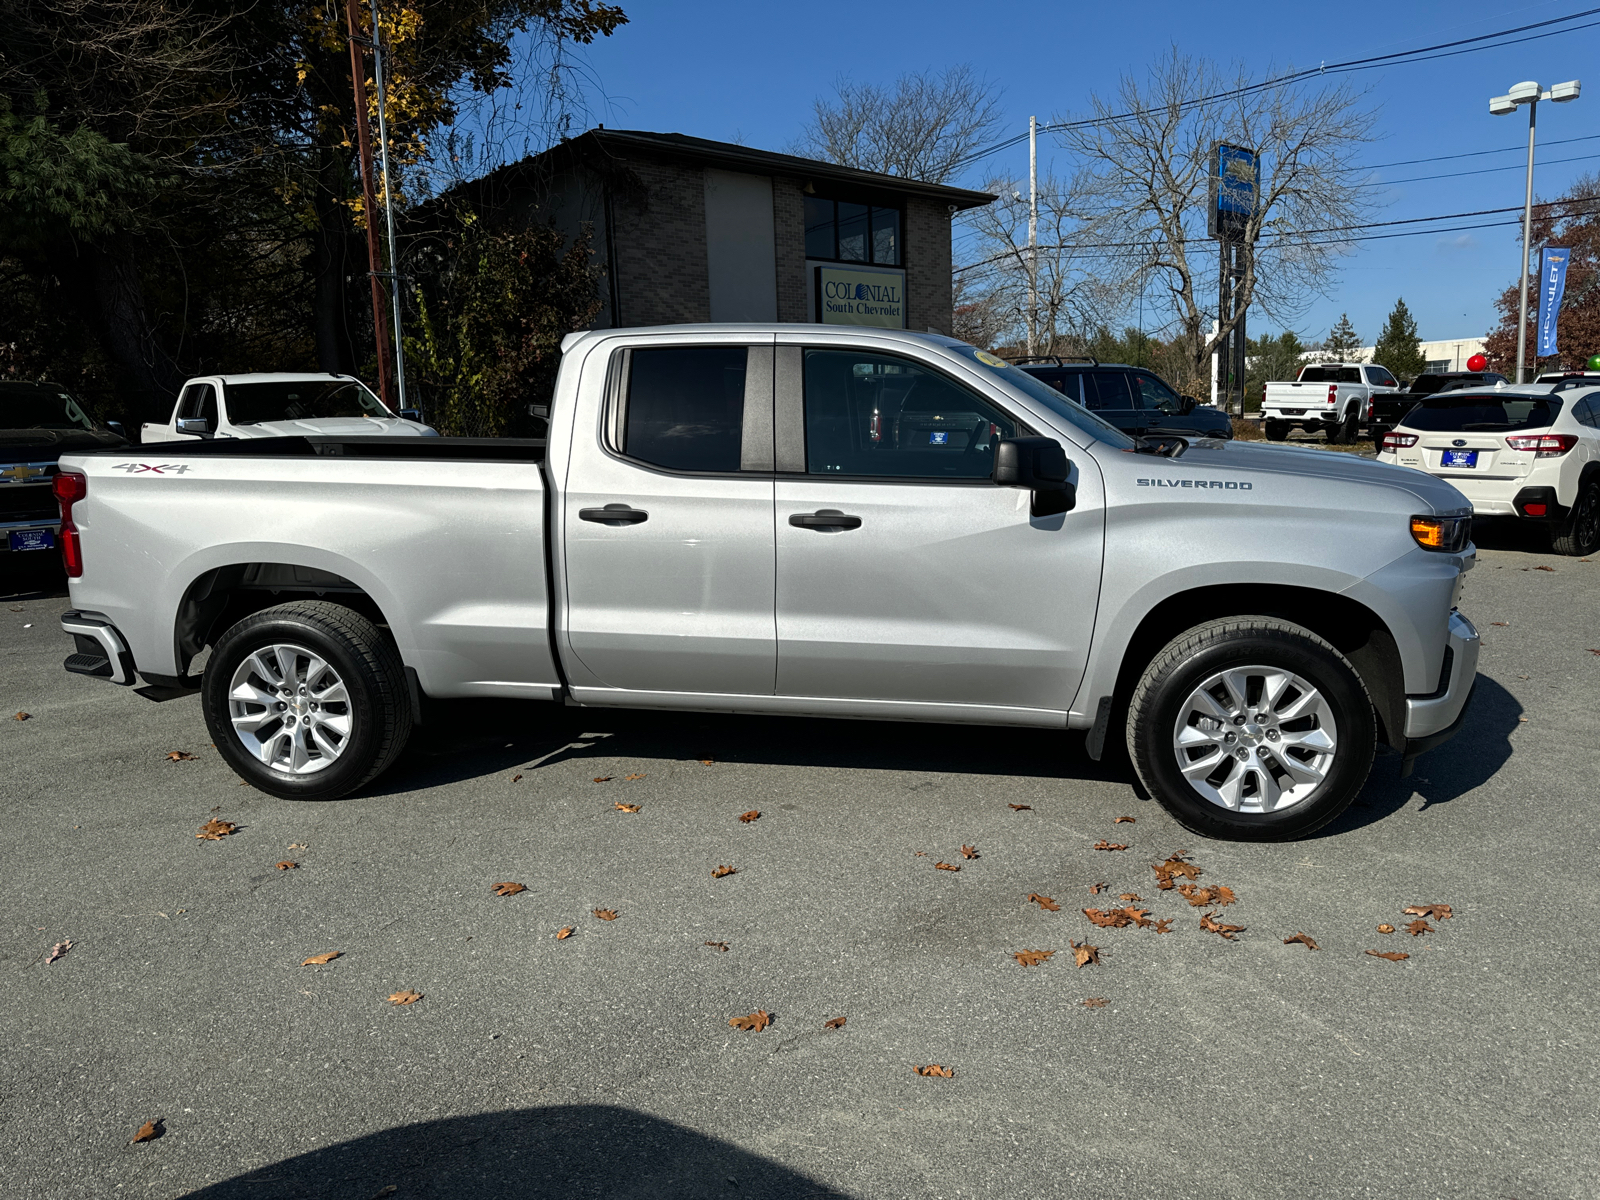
<point>839,231</point>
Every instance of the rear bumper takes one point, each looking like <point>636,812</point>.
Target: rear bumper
<point>101,650</point>
<point>1433,718</point>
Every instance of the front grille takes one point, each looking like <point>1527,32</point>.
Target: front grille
<point>27,502</point>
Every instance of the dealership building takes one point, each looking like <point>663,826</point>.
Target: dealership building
<point>692,230</point>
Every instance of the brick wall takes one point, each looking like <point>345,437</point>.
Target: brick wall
<point>927,261</point>
<point>660,249</point>
<point>789,239</point>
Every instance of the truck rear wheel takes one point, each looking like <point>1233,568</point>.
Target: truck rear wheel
<point>1251,729</point>
<point>1345,432</point>
<point>1276,431</point>
<point>307,700</point>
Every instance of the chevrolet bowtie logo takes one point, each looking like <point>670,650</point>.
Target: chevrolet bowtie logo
<point>21,473</point>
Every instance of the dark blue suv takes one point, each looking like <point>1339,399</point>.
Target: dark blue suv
<point>1133,399</point>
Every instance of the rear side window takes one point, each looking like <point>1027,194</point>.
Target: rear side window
<point>1331,375</point>
<point>1462,412</point>
<point>685,407</point>
<point>1106,390</point>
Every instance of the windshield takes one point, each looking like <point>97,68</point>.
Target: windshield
<point>40,406</point>
<point>1461,412</point>
<point>301,400</point>
<point>1037,389</point>
<point>1331,375</point>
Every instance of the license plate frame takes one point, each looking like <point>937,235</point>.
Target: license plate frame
<point>1461,460</point>
<point>31,539</point>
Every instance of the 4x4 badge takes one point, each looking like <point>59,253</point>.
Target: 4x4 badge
<point>152,469</point>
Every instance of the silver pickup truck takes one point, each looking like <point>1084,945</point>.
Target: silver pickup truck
<point>793,519</point>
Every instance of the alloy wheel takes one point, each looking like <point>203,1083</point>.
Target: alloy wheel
<point>290,709</point>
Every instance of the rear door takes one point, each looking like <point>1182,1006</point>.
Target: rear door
<point>904,574</point>
<point>667,521</point>
<point>1108,396</point>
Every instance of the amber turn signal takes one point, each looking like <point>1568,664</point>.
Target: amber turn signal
<point>1448,535</point>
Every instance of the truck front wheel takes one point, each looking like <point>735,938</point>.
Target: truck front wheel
<point>1251,729</point>
<point>307,700</point>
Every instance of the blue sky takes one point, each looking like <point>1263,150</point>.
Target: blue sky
<point>749,72</point>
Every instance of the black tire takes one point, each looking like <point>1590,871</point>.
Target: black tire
<point>1377,432</point>
<point>1276,431</point>
<point>1345,432</point>
<point>366,661</point>
<point>1192,657</point>
<point>1579,534</point>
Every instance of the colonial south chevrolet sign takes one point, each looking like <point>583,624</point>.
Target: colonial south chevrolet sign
<point>850,296</point>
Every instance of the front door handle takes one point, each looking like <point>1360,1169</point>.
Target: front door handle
<point>824,518</point>
<point>614,514</point>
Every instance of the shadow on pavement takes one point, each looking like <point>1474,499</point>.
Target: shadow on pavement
<point>560,1152</point>
<point>1508,533</point>
<point>31,575</point>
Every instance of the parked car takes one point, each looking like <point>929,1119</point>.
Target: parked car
<point>1334,397</point>
<point>38,423</point>
<point>1133,399</point>
<point>1388,407</point>
<point>1530,452</point>
<point>793,519</point>
<point>277,405</point>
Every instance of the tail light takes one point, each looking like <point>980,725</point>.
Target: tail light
<point>1543,445</point>
<point>70,487</point>
<point>1397,441</point>
<point>1333,393</point>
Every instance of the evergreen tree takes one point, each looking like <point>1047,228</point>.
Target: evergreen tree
<point>1398,346</point>
<point>1343,342</point>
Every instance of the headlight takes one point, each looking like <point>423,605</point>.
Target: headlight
<point>1448,535</point>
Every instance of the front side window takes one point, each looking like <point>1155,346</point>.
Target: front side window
<point>843,231</point>
<point>40,406</point>
<point>880,415</point>
<point>200,403</point>
<point>1154,394</point>
<point>685,407</point>
<point>1381,377</point>
<point>301,400</point>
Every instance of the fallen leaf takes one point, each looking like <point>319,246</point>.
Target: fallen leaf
<point>706,762</point>
<point>606,914</point>
<point>1032,958</point>
<point>1176,864</point>
<point>1591,650</point>
<point>400,999</point>
<point>1439,912</point>
<point>216,829</point>
<point>1021,807</point>
<point>1506,623</point>
<point>1109,846</point>
<point>516,779</point>
<point>1385,928</point>
<point>969,852</point>
<point>1096,1002</point>
<point>1120,820</point>
<point>1130,898</point>
<point>754,1023</point>
<point>179,755</point>
<point>602,779</point>
<point>753,815</point>
<point>322,960</point>
<point>1211,925</point>
<point>919,854</point>
<point>720,947</point>
<point>508,889</point>
<point>1083,954</point>
<point>626,807</point>
<point>1096,888</point>
<point>298,846</point>
<point>836,1023</point>
<point>1111,918</point>
<point>218,808</point>
<point>1419,927</point>
<point>1304,939</point>
<point>388,1191</point>
<point>58,950</point>
<point>148,1132</point>
<point>934,1069</point>
<point>22,716</point>
<point>1199,897</point>
<point>631,778</point>
<point>286,865</point>
<point>1391,955</point>
<point>722,872</point>
<point>563,933</point>
<point>1164,926</point>
<point>1043,902</point>
<point>1541,568</point>
<point>944,866</point>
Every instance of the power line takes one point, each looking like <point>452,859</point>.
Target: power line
<point>1481,171</point>
<point>1412,162</point>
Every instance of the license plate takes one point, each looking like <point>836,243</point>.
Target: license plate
<point>1460,458</point>
<point>33,539</point>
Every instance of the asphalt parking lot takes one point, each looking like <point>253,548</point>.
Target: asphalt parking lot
<point>603,1064</point>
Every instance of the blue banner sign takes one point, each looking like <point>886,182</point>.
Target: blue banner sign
<point>1235,191</point>
<point>1552,284</point>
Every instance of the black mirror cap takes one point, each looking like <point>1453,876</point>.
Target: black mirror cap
<point>411,414</point>
<point>1187,404</point>
<point>1038,463</point>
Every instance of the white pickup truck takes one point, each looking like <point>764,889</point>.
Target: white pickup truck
<point>265,405</point>
<point>801,520</point>
<point>1334,396</point>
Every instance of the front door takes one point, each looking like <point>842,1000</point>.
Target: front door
<point>904,574</point>
<point>667,525</point>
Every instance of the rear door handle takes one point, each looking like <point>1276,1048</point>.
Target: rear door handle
<point>614,514</point>
<point>824,518</point>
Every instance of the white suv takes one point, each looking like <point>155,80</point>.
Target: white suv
<point>1530,451</point>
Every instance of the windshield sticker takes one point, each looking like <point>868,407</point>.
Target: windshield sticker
<point>1232,485</point>
<point>989,360</point>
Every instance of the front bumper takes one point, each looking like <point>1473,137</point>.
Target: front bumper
<point>1435,718</point>
<point>101,650</point>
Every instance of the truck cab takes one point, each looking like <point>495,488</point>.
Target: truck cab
<point>267,405</point>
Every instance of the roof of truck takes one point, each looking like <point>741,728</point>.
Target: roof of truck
<point>276,376</point>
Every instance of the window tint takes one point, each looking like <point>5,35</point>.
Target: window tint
<point>1381,377</point>
<point>1154,394</point>
<point>685,408</point>
<point>1106,390</point>
<point>200,400</point>
<point>1331,375</point>
<point>819,228</point>
<point>1586,412</point>
<point>301,400</point>
<point>1041,393</point>
<point>886,236</point>
<point>1459,412</point>
<point>842,231</point>
<point>878,415</point>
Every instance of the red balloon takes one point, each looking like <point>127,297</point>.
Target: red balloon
<point>1477,362</point>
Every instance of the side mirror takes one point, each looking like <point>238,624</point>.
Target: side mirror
<point>116,428</point>
<point>1040,465</point>
<point>411,414</point>
<point>193,425</point>
<point>1186,405</point>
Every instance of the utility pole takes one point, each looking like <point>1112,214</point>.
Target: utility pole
<point>380,319</point>
<point>1033,234</point>
<point>388,211</point>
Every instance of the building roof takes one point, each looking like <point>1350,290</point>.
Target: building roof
<point>626,143</point>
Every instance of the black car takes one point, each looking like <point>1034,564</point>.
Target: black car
<point>39,422</point>
<point>1133,399</point>
<point>1388,408</point>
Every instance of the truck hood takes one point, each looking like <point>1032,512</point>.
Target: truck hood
<point>333,427</point>
<point>1436,495</point>
<point>39,445</point>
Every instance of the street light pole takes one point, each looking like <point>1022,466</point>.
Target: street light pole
<point>1529,93</point>
<point>388,209</point>
<point>1033,235</point>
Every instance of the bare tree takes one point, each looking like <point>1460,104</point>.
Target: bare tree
<point>1146,154</point>
<point>922,128</point>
